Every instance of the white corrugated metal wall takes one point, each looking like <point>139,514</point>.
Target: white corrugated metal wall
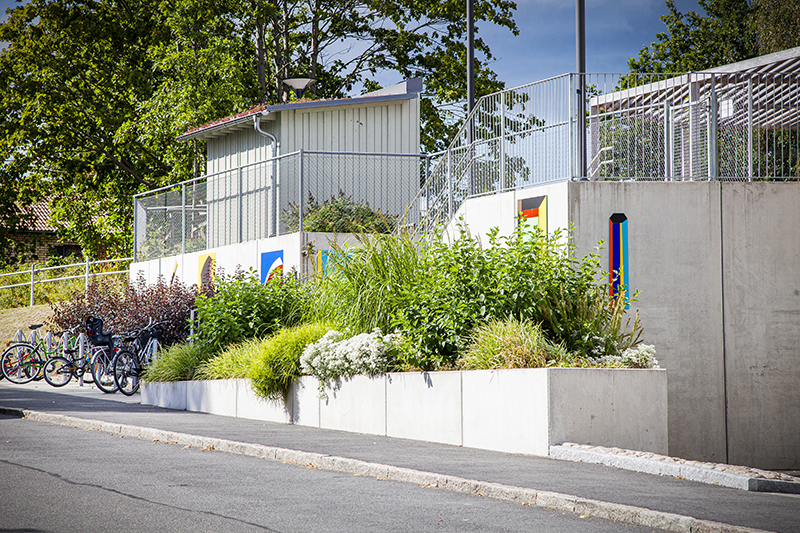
<point>385,183</point>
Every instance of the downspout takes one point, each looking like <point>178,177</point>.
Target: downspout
<point>273,229</point>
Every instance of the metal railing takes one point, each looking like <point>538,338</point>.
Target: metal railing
<point>43,274</point>
<point>315,191</point>
<point>695,126</point>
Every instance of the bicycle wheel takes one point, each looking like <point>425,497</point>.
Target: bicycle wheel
<point>126,372</point>
<point>103,371</point>
<point>21,363</point>
<point>58,371</point>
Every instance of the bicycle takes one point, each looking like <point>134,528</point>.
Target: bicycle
<point>59,370</point>
<point>22,362</point>
<point>129,366</point>
<point>102,355</point>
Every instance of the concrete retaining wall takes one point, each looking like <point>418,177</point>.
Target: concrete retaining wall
<point>516,411</point>
<point>718,267</point>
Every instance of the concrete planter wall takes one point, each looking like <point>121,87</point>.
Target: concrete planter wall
<point>516,411</point>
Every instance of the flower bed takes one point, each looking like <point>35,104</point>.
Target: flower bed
<point>516,411</point>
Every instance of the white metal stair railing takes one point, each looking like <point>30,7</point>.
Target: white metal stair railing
<point>593,173</point>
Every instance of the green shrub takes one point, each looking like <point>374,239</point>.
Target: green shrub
<point>179,362</point>
<point>510,343</point>
<point>340,214</point>
<point>526,275</point>
<point>234,363</point>
<point>126,306</point>
<point>278,362</point>
<point>242,308</point>
<point>360,291</point>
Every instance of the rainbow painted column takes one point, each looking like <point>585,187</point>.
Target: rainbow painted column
<point>618,254</point>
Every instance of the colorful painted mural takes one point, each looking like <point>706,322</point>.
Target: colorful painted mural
<point>532,213</point>
<point>271,265</point>
<point>618,254</point>
<point>206,269</point>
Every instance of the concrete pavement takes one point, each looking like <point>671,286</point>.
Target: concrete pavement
<point>586,489</point>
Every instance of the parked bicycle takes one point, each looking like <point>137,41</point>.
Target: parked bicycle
<point>59,370</point>
<point>103,351</point>
<point>131,363</point>
<point>22,362</point>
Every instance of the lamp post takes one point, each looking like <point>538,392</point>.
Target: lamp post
<point>580,67</point>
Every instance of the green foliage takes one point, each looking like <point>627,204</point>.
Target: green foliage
<point>435,295</point>
<point>126,306</point>
<point>278,362</point>
<point>730,31</point>
<point>510,343</point>
<point>359,292</point>
<point>180,362</point>
<point>94,93</point>
<point>236,362</point>
<point>340,214</point>
<point>242,308</point>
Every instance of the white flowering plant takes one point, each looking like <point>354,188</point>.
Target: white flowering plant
<point>337,356</point>
<point>641,356</point>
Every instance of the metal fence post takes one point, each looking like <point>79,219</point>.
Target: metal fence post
<point>86,277</point>
<point>667,143</point>
<point>191,326</point>
<point>301,194</point>
<point>571,104</point>
<point>183,219</point>
<point>749,128</point>
<point>239,194</point>
<point>503,184</point>
<point>33,280</point>
<point>713,148</point>
<point>81,354</point>
<point>449,188</point>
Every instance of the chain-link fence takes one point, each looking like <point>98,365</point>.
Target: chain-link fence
<point>318,191</point>
<point>696,126</point>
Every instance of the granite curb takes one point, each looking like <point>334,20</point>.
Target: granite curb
<point>670,467</point>
<point>639,516</point>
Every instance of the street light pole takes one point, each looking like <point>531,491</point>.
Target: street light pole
<point>580,66</point>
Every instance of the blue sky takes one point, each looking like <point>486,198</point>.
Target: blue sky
<point>615,31</point>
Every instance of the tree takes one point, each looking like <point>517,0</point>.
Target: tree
<point>94,92</point>
<point>777,23</point>
<point>696,42</point>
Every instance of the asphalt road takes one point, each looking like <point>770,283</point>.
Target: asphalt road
<point>61,479</point>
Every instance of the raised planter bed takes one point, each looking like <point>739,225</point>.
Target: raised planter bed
<point>516,411</point>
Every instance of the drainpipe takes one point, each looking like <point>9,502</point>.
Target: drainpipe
<point>273,229</point>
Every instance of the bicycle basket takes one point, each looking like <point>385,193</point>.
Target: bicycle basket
<point>94,330</point>
<point>145,336</point>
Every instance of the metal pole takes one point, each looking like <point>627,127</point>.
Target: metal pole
<point>191,326</point>
<point>580,65</point>
<point>135,226</point>
<point>183,217</point>
<point>33,280</point>
<point>571,105</point>
<point>503,184</point>
<point>86,277</point>
<point>240,204</point>
<point>667,143</point>
<point>301,194</point>
<point>713,148</point>
<point>470,57</point>
<point>749,129</point>
<point>449,189</point>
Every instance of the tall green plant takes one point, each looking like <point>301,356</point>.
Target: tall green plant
<point>359,291</point>
<point>244,308</point>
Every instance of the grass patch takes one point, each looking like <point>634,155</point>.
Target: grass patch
<point>511,343</point>
<point>180,362</point>
<point>234,363</point>
<point>278,362</point>
<point>20,318</point>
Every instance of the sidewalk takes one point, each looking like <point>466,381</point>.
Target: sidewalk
<point>664,495</point>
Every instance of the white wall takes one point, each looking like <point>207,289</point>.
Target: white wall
<point>245,256</point>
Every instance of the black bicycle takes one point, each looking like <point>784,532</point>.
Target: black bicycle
<point>131,363</point>
<point>103,351</point>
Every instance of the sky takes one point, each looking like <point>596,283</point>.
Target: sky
<point>545,46</point>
